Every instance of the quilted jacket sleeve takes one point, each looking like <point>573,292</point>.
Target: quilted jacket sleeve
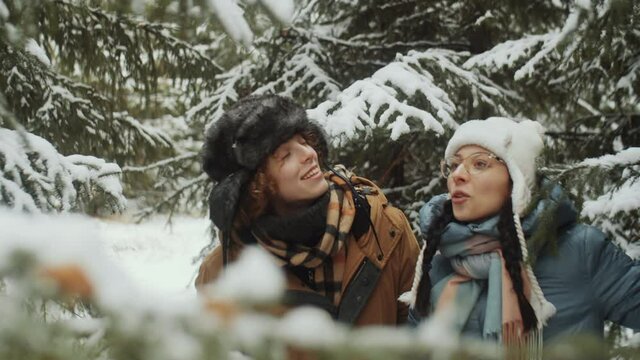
<point>615,279</point>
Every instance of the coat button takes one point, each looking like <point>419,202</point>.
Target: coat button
<point>392,232</point>
<point>358,298</point>
<point>365,281</point>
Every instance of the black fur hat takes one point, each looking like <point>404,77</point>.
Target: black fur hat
<point>239,141</point>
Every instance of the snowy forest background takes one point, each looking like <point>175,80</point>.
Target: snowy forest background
<point>103,107</point>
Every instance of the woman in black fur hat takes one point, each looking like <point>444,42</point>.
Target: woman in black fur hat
<point>342,246</point>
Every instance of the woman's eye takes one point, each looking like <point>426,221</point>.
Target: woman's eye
<point>480,164</point>
<point>453,166</point>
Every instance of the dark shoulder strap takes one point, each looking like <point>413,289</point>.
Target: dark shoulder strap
<point>361,221</point>
<point>358,292</point>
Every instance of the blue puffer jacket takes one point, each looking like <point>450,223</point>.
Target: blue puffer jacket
<point>588,278</point>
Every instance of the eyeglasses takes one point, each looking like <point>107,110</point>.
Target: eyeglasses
<point>474,164</point>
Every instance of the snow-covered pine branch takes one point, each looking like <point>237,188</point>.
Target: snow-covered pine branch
<point>423,86</point>
<point>139,49</point>
<point>632,78</point>
<point>575,21</point>
<point>507,54</point>
<point>626,157</point>
<point>190,191</point>
<point>622,159</point>
<point>301,74</point>
<point>231,16</point>
<point>211,108</point>
<point>161,163</point>
<point>624,197</point>
<point>35,177</point>
<point>51,105</point>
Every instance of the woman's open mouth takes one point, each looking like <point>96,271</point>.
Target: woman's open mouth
<point>313,172</point>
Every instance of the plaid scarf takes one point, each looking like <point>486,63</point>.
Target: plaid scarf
<point>326,258</point>
<point>475,258</point>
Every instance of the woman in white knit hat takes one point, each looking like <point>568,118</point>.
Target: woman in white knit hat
<point>504,250</point>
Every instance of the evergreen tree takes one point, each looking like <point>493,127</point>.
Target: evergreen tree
<point>390,81</point>
<point>136,83</point>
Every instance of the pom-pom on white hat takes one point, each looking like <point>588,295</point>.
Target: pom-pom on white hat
<point>517,143</point>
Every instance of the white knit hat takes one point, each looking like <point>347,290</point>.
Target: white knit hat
<point>517,143</point>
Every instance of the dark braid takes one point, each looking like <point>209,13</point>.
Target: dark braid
<point>513,260</point>
<point>432,238</point>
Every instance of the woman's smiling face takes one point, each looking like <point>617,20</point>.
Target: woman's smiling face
<point>294,169</point>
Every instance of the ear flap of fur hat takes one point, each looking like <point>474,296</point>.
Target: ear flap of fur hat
<point>517,143</point>
<point>224,198</point>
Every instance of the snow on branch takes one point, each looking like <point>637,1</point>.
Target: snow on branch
<point>212,107</point>
<point>383,100</point>
<point>35,177</point>
<point>98,23</point>
<point>632,77</point>
<point>46,102</point>
<point>254,278</point>
<point>282,10</point>
<point>625,157</point>
<point>624,199</point>
<point>506,54</point>
<point>4,11</point>
<point>162,163</point>
<point>301,72</point>
<point>553,39</point>
<point>193,189</point>
<point>34,49</point>
<point>231,16</point>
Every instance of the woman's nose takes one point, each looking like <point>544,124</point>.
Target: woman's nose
<point>307,153</point>
<point>460,173</point>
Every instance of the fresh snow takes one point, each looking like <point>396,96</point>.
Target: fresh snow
<point>553,41</point>
<point>281,9</point>
<point>144,266</point>
<point>627,196</point>
<point>310,327</point>
<point>302,71</point>
<point>624,199</point>
<point>51,186</point>
<point>34,49</point>
<point>253,278</point>
<point>625,157</point>
<point>4,11</point>
<point>156,255</point>
<point>232,18</point>
<point>506,54</point>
